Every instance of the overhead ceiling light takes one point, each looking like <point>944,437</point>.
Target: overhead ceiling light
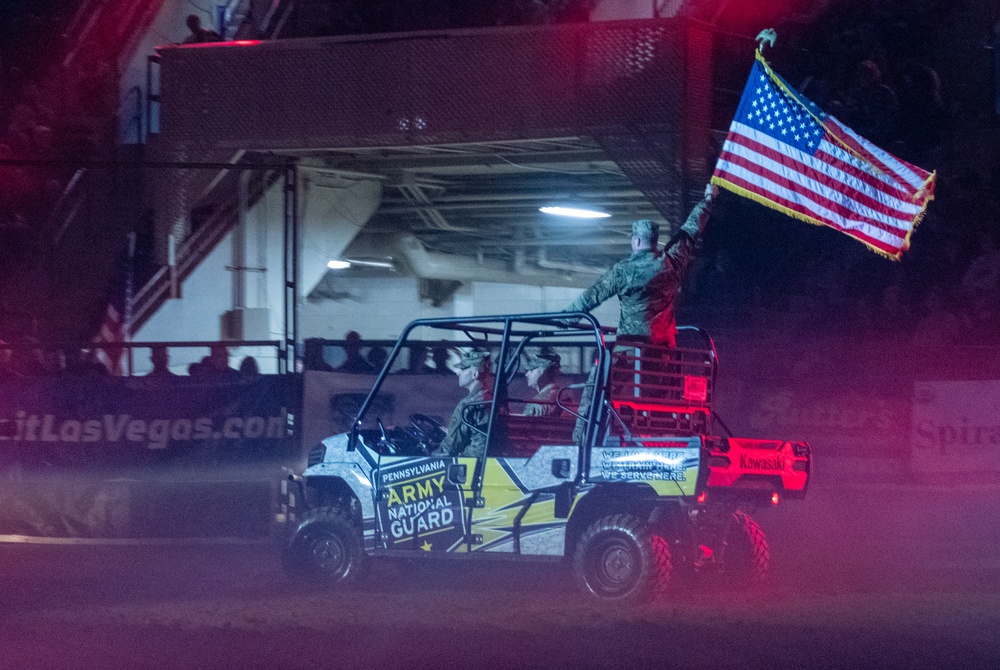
<point>576,211</point>
<point>388,265</point>
<point>344,263</point>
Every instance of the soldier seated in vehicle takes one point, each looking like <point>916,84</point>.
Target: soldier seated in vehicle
<point>466,431</point>
<point>542,373</point>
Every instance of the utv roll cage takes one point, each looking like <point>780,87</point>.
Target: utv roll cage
<point>636,389</point>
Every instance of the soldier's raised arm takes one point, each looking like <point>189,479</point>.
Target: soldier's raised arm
<point>681,246</point>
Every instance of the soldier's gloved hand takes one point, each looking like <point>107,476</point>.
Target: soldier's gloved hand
<point>711,190</point>
<point>568,322</point>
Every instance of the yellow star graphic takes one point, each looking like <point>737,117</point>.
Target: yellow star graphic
<point>426,546</point>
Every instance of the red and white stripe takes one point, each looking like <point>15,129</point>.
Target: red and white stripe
<point>111,333</point>
<point>864,192</point>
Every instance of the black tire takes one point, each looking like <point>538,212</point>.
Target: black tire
<point>326,547</point>
<point>619,559</point>
<point>747,557</point>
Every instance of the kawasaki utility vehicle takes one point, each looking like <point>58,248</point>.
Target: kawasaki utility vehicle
<point>624,478</point>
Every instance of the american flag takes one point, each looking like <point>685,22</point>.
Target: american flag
<point>115,325</point>
<point>110,336</point>
<point>786,153</point>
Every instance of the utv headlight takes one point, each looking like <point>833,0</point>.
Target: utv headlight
<point>316,455</point>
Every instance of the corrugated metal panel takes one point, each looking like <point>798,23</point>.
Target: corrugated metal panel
<point>426,88</point>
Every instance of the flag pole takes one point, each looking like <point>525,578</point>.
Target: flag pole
<point>129,297</point>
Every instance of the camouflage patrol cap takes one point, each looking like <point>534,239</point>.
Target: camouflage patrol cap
<point>474,358</point>
<point>645,229</point>
<point>543,358</point>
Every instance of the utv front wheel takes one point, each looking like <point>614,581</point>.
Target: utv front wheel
<point>619,559</point>
<point>325,547</point>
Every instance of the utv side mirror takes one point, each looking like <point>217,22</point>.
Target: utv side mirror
<point>457,474</point>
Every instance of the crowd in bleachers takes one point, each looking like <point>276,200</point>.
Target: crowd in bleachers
<point>52,107</point>
<point>357,356</point>
<point>27,358</point>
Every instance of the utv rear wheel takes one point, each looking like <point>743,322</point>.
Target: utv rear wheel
<point>747,557</point>
<point>619,559</point>
<point>325,547</point>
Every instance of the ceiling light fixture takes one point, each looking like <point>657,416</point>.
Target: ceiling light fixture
<point>344,263</point>
<point>576,211</point>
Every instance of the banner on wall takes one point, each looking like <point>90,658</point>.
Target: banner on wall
<point>956,428</point>
<point>125,425</point>
<point>835,422</point>
<point>113,457</point>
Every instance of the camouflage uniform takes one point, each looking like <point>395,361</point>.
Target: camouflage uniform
<point>462,440</point>
<point>547,398</point>
<point>647,283</point>
<point>549,360</point>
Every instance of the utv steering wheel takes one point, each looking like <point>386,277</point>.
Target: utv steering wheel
<point>428,430</point>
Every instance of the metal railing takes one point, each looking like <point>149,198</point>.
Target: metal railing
<point>27,359</point>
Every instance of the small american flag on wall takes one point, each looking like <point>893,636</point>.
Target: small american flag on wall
<point>109,336</point>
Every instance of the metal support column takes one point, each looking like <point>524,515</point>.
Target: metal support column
<point>291,273</point>
<point>152,99</point>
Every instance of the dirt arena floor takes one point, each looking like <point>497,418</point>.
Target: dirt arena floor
<point>884,577</point>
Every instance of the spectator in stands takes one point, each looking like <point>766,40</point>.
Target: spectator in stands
<point>892,315</point>
<point>198,34</point>
<point>217,362</point>
<point>6,370</point>
<point>249,367</point>
<point>542,373</point>
<point>981,291</point>
<point>939,327</point>
<point>982,278</point>
<point>312,356</point>
<point>377,356</point>
<point>923,108</point>
<point>355,363</point>
<point>247,30</point>
<point>87,363</point>
<point>160,359</point>
<point>27,361</point>
<point>440,356</point>
<point>418,360</point>
<point>55,362</point>
<point>871,107</point>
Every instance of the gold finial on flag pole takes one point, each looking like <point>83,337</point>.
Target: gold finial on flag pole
<point>766,37</point>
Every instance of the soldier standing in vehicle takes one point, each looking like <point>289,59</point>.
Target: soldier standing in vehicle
<point>646,283</point>
<point>542,373</point>
<point>475,374</point>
